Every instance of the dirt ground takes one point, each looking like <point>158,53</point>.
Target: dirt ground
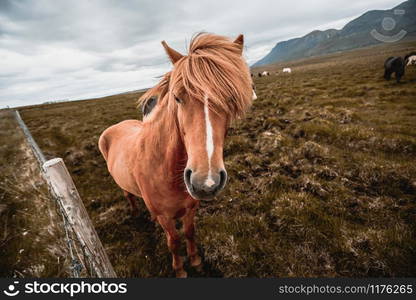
<point>322,175</point>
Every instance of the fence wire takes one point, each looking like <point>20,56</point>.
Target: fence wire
<point>79,261</point>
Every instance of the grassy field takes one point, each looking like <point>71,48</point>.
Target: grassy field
<point>322,175</point>
<point>31,234</point>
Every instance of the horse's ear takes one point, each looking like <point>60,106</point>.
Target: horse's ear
<point>240,42</point>
<point>174,56</point>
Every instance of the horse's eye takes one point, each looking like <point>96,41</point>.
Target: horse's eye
<point>178,100</point>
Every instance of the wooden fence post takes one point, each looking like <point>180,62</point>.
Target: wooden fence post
<point>64,188</point>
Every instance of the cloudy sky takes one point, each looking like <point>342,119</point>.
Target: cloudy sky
<point>58,49</point>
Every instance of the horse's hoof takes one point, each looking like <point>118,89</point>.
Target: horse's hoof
<point>196,261</point>
<point>181,274</point>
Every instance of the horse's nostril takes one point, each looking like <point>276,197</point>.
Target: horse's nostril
<point>187,175</point>
<point>223,179</point>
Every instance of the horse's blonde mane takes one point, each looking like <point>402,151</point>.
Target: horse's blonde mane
<point>214,68</point>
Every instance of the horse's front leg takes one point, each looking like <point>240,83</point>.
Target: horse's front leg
<point>173,241</point>
<point>189,230</point>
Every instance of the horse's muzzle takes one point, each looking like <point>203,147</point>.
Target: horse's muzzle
<point>204,187</point>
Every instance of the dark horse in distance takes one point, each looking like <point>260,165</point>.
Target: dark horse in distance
<point>394,64</point>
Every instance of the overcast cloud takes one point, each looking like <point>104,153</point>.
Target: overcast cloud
<point>56,50</point>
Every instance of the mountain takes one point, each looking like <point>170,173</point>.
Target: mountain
<point>355,34</point>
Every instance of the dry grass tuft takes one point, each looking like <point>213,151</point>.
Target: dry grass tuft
<point>31,236</point>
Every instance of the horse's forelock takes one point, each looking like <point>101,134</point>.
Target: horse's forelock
<point>215,68</point>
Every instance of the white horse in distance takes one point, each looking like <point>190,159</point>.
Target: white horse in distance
<point>411,60</point>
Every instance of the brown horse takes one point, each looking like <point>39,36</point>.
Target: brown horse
<point>174,158</point>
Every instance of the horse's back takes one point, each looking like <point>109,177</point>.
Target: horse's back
<point>388,64</point>
<point>411,54</point>
<point>394,62</point>
<point>116,133</point>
